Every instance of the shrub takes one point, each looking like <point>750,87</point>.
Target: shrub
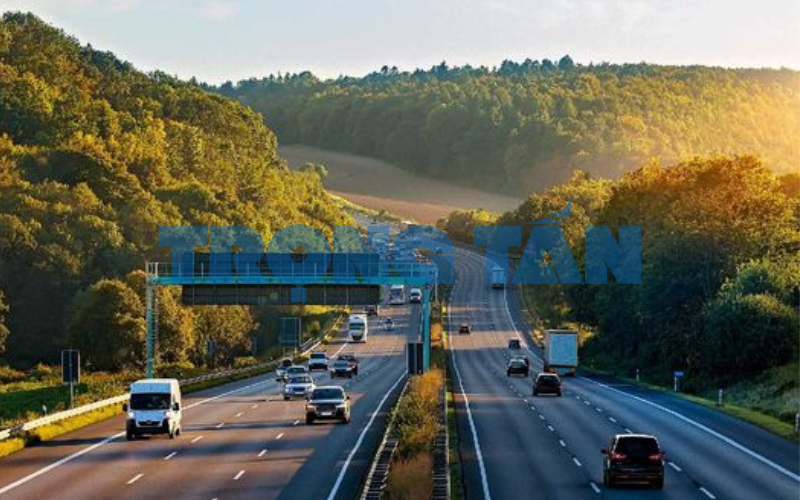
<point>244,362</point>
<point>411,479</point>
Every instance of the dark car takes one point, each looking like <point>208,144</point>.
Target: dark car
<point>371,310</point>
<point>518,366</point>
<point>341,368</point>
<point>464,328</point>
<point>547,383</point>
<point>514,344</point>
<point>633,458</point>
<point>328,403</point>
<point>352,360</point>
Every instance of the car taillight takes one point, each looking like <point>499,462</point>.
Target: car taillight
<point>655,457</point>
<point>618,456</point>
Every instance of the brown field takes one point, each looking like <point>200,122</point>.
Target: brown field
<point>381,186</point>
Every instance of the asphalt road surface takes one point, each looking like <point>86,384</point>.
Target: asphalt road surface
<point>240,441</point>
<point>518,446</point>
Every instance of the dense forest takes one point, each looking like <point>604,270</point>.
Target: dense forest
<point>528,125</point>
<point>94,156</point>
<point>720,284</point>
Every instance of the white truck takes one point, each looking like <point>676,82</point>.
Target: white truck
<point>561,351</point>
<point>154,408</point>
<point>497,278</point>
<point>357,327</point>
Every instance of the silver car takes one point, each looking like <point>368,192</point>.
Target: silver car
<point>298,387</point>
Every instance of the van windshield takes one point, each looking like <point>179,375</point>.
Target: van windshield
<point>150,401</point>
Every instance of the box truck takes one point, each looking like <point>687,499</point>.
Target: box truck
<point>561,351</point>
<point>357,327</point>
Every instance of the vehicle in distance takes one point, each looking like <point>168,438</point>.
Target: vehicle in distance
<point>318,361</point>
<point>518,366</point>
<point>328,402</point>
<point>298,386</point>
<point>497,278</point>
<point>397,295</point>
<point>561,351</point>
<point>464,328</point>
<point>633,458</point>
<point>357,327</point>
<point>514,344</point>
<point>371,310</point>
<point>341,368</point>
<point>294,371</point>
<point>280,372</point>
<point>154,408</point>
<point>388,324</point>
<point>352,360</point>
<point>415,296</point>
<point>547,383</point>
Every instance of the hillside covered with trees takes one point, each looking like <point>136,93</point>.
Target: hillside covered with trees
<point>720,291</point>
<point>528,125</point>
<point>94,156</point>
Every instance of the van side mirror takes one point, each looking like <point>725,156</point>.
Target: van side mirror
<point>125,407</point>
<point>176,406</point>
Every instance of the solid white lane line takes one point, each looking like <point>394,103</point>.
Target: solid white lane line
<point>238,475</point>
<point>171,455</point>
<point>262,453</point>
<point>360,440</point>
<point>675,466</point>
<point>135,478</point>
<point>594,487</point>
<point>198,438</point>
<point>707,493</point>
<point>735,444</point>
<point>278,436</point>
<point>577,462</point>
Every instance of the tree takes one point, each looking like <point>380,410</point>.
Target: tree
<point>317,169</point>
<point>108,326</point>
<point>4,309</point>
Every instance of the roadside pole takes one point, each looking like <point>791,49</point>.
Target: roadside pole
<point>426,329</point>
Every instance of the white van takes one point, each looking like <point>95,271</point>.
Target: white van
<point>154,408</point>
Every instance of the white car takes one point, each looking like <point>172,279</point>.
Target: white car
<point>298,386</point>
<point>388,324</point>
<point>318,361</point>
<point>280,372</point>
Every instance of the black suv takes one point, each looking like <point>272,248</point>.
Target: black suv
<point>350,358</point>
<point>514,344</point>
<point>633,458</point>
<point>464,328</point>
<point>371,310</point>
<point>547,383</point>
<point>518,366</point>
<point>329,403</point>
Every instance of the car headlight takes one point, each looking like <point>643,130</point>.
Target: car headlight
<point>131,415</point>
<point>311,408</point>
<point>341,406</point>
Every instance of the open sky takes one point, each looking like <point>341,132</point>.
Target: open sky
<point>218,40</point>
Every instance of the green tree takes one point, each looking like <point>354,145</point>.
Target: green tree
<point>3,328</point>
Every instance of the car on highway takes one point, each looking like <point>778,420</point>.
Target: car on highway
<point>298,386</point>
<point>415,296</point>
<point>633,458</point>
<point>514,344</point>
<point>328,402</point>
<point>518,366</point>
<point>341,368</point>
<point>388,324</point>
<point>371,310</point>
<point>352,360</point>
<point>318,361</point>
<point>547,383</point>
<point>280,372</point>
<point>464,328</point>
<point>294,371</point>
<point>154,407</point>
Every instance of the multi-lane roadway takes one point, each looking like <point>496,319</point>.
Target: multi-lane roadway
<point>240,441</point>
<point>518,446</point>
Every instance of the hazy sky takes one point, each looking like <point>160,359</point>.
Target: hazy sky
<point>217,40</point>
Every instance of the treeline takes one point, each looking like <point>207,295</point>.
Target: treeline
<point>528,125</point>
<point>720,275</point>
<point>94,156</point>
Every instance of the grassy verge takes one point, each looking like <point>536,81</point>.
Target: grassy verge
<point>763,420</point>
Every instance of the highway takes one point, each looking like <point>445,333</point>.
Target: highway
<point>516,446</point>
<point>240,440</point>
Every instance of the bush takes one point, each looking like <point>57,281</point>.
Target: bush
<point>244,362</point>
<point>411,479</point>
<point>179,370</point>
<point>415,424</point>
<point>8,375</point>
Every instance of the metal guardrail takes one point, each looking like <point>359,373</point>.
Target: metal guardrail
<point>379,469</point>
<point>20,429</point>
